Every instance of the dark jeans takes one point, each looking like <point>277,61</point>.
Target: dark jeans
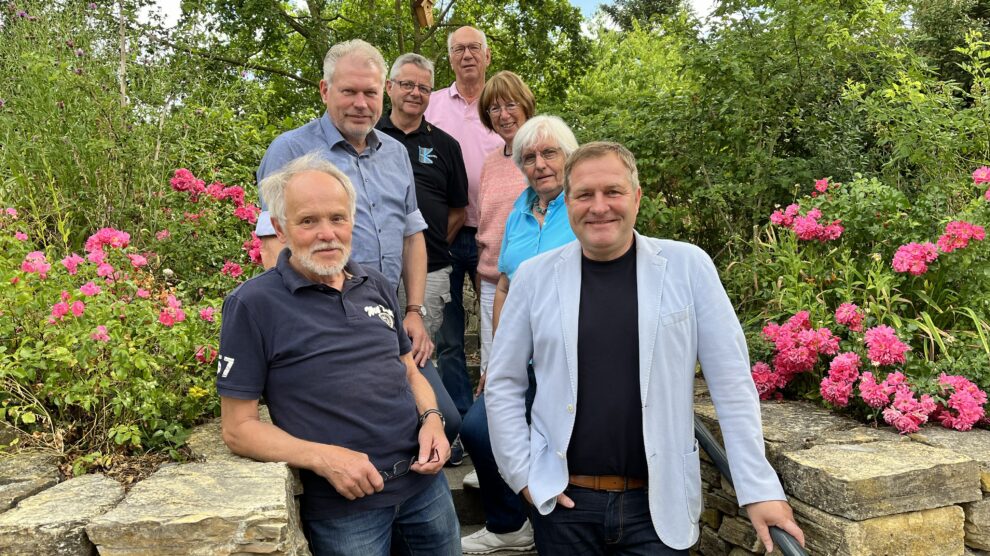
<point>505,511</point>
<point>451,417</point>
<point>450,338</point>
<point>600,523</point>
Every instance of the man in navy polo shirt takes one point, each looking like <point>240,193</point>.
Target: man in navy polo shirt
<point>438,168</point>
<point>321,338</point>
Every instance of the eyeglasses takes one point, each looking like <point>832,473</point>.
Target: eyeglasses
<point>459,49</point>
<point>547,154</point>
<point>494,110</point>
<point>402,467</point>
<point>408,86</point>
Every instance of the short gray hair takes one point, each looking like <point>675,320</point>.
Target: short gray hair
<point>542,128</point>
<point>450,38</point>
<point>356,47</point>
<point>273,186</point>
<point>599,149</point>
<point>411,58</point>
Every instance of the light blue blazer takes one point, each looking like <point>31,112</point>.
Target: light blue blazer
<point>684,317</point>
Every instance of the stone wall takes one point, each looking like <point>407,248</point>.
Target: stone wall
<point>856,490</point>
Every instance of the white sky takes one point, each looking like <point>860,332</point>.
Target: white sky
<point>170,8</point>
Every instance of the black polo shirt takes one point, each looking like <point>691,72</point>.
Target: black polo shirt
<point>328,365</point>
<point>441,182</point>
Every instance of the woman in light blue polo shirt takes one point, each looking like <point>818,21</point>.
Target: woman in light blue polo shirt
<point>538,222</point>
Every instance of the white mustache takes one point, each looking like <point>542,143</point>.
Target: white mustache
<point>327,245</point>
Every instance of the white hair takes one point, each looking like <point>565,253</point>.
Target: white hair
<point>273,186</point>
<point>411,58</point>
<point>356,47</point>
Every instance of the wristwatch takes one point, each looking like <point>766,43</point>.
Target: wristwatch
<point>416,309</point>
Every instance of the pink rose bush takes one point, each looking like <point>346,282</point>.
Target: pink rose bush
<point>807,226</point>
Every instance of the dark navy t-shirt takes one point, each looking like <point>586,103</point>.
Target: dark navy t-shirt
<point>328,365</point>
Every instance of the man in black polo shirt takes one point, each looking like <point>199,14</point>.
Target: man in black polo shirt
<point>321,338</point>
<point>438,169</point>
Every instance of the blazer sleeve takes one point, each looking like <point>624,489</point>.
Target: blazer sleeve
<point>725,363</point>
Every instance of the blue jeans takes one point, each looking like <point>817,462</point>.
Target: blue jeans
<point>424,525</point>
<point>505,511</point>
<point>600,523</point>
<point>450,338</point>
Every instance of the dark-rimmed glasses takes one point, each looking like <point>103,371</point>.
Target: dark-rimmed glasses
<point>402,467</point>
<point>408,86</point>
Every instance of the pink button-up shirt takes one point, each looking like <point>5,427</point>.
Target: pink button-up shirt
<point>449,111</point>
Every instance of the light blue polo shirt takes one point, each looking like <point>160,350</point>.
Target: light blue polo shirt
<point>383,178</point>
<point>525,238</point>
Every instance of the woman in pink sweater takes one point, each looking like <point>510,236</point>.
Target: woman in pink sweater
<point>505,105</point>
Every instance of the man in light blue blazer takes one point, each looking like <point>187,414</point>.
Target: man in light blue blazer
<point>613,325</point>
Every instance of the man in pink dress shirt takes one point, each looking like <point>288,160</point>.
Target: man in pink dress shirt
<point>455,110</point>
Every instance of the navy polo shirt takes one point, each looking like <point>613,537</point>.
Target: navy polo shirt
<point>441,182</point>
<point>328,365</point>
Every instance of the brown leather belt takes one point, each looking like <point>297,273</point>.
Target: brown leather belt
<point>610,483</point>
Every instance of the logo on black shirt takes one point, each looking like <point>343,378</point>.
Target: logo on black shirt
<point>426,155</point>
<point>387,316</point>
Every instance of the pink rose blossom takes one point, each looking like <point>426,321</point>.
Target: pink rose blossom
<point>172,313</point>
<point>253,248</point>
<point>20,236</point>
<point>11,212</point>
<point>206,354</point>
<point>914,257</point>
<point>232,269</point>
<point>162,234</point>
<point>35,262</point>
<point>101,334</point>
<point>907,413</point>
<point>107,237</point>
<point>849,315</point>
<point>981,175</point>
<point>235,194</point>
<point>104,270</point>
<point>137,261</point>
<point>821,185</point>
<point>59,310</point>
<point>72,262</point>
<point>884,347</point>
<point>958,234</point>
<point>77,308</point>
<point>875,395</point>
<point>207,314</point>
<point>89,289</point>
<point>836,392</point>
<point>964,407</point>
<point>248,212</point>
<point>96,256</point>
<point>142,293</point>
<point>184,181</point>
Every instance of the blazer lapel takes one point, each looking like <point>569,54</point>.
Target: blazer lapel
<point>567,275</point>
<point>650,270</point>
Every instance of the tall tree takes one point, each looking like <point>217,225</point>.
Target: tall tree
<point>628,13</point>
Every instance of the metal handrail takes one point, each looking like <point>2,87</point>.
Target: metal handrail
<point>787,543</point>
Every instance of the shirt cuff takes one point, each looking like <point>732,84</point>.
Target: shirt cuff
<point>414,223</point>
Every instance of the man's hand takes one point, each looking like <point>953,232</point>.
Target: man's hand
<point>351,473</point>
<point>481,384</point>
<point>431,437</point>
<point>763,515</point>
<point>562,499</point>
<point>422,345</point>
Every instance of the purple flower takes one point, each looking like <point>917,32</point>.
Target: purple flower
<point>2,102</point>
<point>91,6</point>
<point>70,44</point>
<point>22,14</point>
<point>79,53</point>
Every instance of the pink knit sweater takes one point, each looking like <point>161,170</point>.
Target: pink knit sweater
<point>501,184</point>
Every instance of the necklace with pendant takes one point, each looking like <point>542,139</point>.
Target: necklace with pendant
<point>538,209</point>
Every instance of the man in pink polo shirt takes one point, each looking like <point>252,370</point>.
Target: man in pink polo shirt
<point>455,110</point>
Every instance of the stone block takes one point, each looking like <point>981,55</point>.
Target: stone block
<point>711,517</point>
<point>922,533</point>
<point>710,544</point>
<point>786,426</point>
<point>978,524</point>
<point>974,444</point>
<point>739,532</point>
<point>214,509</point>
<point>710,473</point>
<point>52,523</point>
<point>861,481</point>
<point>718,500</point>
<point>24,474</point>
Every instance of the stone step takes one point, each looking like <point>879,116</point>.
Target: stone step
<point>467,501</point>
